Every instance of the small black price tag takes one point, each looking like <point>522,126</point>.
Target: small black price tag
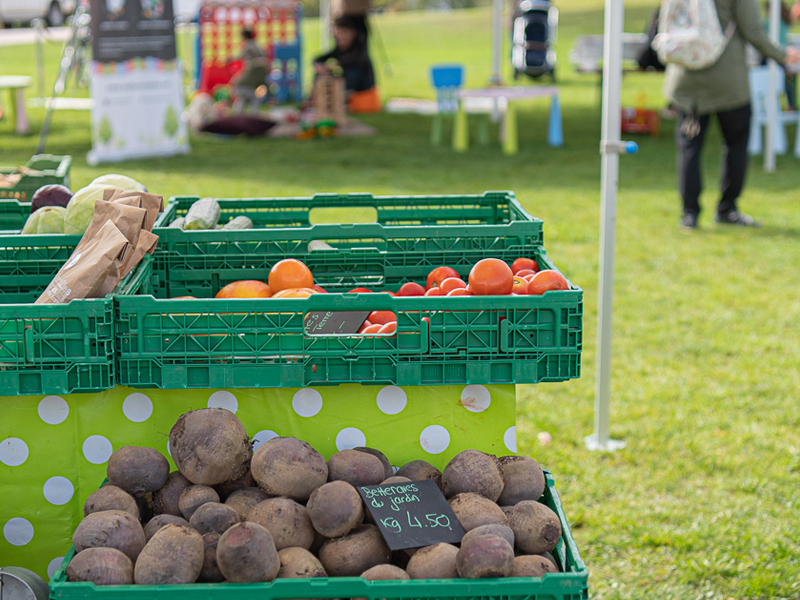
<point>334,323</point>
<point>411,515</point>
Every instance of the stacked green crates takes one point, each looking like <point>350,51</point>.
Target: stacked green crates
<point>262,343</point>
<point>40,170</point>
<point>53,348</point>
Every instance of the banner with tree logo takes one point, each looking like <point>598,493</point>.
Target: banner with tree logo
<point>135,82</point>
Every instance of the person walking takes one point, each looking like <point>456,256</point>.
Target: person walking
<point>722,90</point>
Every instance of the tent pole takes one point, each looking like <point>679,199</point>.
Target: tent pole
<point>324,25</point>
<point>497,41</point>
<point>773,97</point>
<point>610,147</point>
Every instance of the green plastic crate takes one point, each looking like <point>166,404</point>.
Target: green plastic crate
<point>492,221</point>
<point>261,342</point>
<point>51,170</point>
<point>56,348</point>
<point>570,584</point>
<point>13,215</point>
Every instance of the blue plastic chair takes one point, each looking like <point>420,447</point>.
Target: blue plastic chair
<point>446,79</point>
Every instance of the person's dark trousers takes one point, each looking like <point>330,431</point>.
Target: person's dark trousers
<point>735,125</point>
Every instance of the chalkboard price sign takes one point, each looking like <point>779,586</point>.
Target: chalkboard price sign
<point>411,515</point>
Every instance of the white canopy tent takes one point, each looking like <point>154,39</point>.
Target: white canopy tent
<point>610,147</point>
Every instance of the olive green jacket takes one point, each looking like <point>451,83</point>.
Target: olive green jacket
<point>724,85</point>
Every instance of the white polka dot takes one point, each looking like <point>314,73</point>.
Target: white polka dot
<point>510,438</point>
<point>53,566</point>
<point>13,452</point>
<point>475,398</point>
<point>307,402</point>
<point>18,531</point>
<point>58,490</point>
<point>392,400</point>
<point>137,407</point>
<point>225,400</point>
<point>262,436</point>
<point>53,410</point>
<point>349,438</point>
<point>97,449</point>
<point>434,439</point>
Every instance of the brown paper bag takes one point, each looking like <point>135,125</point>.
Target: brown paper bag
<point>86,271</point>
<point>128,219</point>
<point>153,203</point>
<point>145,245</point>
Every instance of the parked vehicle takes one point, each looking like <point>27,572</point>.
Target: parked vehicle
<point>55,12</point>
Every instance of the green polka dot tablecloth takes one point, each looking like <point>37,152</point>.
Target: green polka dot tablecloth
<point>53,450</point>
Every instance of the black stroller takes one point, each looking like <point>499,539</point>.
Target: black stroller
<point>533,39</point>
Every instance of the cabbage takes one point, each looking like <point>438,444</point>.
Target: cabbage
<point>120,182</point>
<point>48,219</point>
<point>80,209</point>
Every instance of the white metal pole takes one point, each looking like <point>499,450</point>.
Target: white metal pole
<point>324,25</point>
<point>773,98</point>
<point>497,40</point>
<point>610,148</point>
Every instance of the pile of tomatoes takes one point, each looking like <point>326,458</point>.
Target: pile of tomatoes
<point>291,278</point>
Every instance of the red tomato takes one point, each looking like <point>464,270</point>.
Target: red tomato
<point>434,291</point>
<point>364,326</point>
<point>520,285</point>
<point>245,289</point>
<point>491,277</point>
<point>387,292</point>
<point>524,264</point>
<point>371,329</point>
<point>390,327</point>
<point>528,277</point>
<point>460,292</point>
<point>450,284</point>
<point>547,280</point>
<point>525,272</point>
<point>289,273</point>
<point>438,275</point>
<point>319,289</point>
<point>411,289</point>
<point>295,293</point>
<point>359,290</point>
<point>381,317</point>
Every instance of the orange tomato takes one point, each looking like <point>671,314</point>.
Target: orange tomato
<point>359,290</point>
<point>319,289</point>
<point>184,298</point>
<point>434,291</point>
<point>289,273</point>
<point>521,264</point>
<point>371,329</point>
<point>450,284</point>
<point>460,292</point>
<point>528,277</point>
<point>525,272</point>
<point>547,280</point>
<point>389,327</point>
<point>520,285</point>
<point>491,277</point>
<point>438,275</point>
<point>411,289</point>
<point>295,293</point>
<point>364,326</point>
<point>245,289</point>
<point>382,317</point>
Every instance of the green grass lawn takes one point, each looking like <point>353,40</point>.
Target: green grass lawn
<point>704,501</point>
